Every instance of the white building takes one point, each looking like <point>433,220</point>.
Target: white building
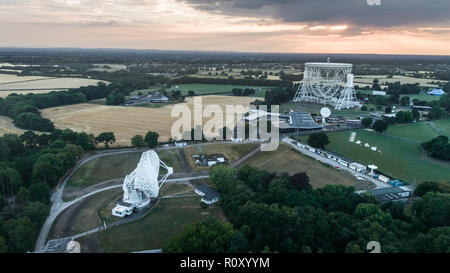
<point>209,196</point>
<point>383,178</point>
<point>378,93</point>
<point>357,167</point>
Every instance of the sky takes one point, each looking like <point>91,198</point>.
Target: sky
<point>283,26</point>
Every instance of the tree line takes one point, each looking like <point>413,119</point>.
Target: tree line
<point>230,80</point>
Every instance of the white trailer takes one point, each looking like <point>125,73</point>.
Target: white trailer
<point>383,178</point>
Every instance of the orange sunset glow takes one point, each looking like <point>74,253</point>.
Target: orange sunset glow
<point>264,26</point>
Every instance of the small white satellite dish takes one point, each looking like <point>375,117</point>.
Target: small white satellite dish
<point>325,112</point>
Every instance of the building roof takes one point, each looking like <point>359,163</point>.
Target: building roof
<point>57,245</point>
<point>390,194</point>
<point>436,92</point>
<point>301,120</point>
<point>210,193</point>
<point>421,107</point>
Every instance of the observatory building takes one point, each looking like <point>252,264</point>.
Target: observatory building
<point>140,186</point>
<point>328,83</point>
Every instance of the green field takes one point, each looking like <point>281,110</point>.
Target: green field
<point>206,89</point>
<point>288,160</point>
<point>421,131</point>
<point>116,166</point>
<point>399,152</point>
<point>422,97</point>
<point>88,218</point>
<point>442,126</point>
<point>166,219</point>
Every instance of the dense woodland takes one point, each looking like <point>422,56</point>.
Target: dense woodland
<point>30,166</point>
<point>270,213</point>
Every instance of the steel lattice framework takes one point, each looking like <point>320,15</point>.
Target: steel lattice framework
<point>328,83</point>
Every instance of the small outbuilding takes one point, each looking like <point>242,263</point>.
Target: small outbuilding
<point>391,194</point>
<point>436,92</point>
<point>209,195</point>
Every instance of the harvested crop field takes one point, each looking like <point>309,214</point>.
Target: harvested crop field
<point>36,84</point>
<point>7,127</point>
<point>367,80</point>
<point>126,122</point>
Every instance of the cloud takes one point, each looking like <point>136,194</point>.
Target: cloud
<point>390,13</point>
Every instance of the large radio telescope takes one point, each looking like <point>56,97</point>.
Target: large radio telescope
<point>142,184</point>
<point>328,83</point>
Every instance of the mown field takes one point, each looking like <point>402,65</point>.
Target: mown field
<point>166,219</point>
<point>116,166</point>
<point>422,97</point>
<point>399,153</point>
<point>37,84</point>
<point>205,89</point>
<point>421,131</point>
<point>126,122</point>
<point>7,127</point>
<point>97,209</point>
<point>288,160</point>
<point>367,80</point>
<point>87,217</point>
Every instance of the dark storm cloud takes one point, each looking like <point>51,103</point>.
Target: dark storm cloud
<point>357,12</point>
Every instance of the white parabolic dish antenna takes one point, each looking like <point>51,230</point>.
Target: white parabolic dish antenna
<point>325,112</point>
<point>142,184</point>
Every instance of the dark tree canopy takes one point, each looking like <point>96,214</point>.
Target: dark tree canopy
<point>106,138</point>
<point>380,126</point>
<point>151,139</point>
<point>318,140</point>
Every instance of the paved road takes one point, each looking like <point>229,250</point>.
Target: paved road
<point>379,184</point>
<point>149,251</point>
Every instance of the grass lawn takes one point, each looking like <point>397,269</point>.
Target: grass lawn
<point>171,188</point>
<point>87,218</point>
<point>422,97</point>
<point>442,127</point>
<point>288,160</point>
<point>116,166</point>
<point>166,219</point>
<point>231,151</point>
<point>418,132</point>
<point>104,211</point>
<point>399,154</point>
<point>205,89</point>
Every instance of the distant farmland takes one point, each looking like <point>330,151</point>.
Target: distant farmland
<point>205,89</point>
<point>367,80</point>
<point>36,84</point>
<point>126,122</point>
